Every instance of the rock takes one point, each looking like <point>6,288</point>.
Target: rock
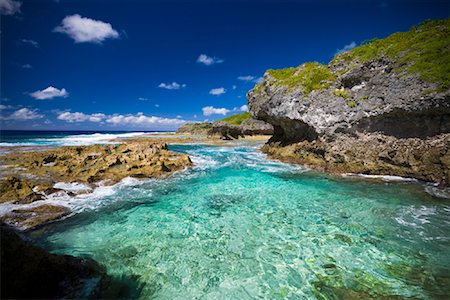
<point>39,171</point>
<point>30,218</point>
<point>366,111</point>
<point>200,128</point>
<point>256,127</point>
<point>31,272</point>
<point>225,131</point>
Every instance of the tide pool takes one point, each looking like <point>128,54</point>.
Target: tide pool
<point>239,226</point>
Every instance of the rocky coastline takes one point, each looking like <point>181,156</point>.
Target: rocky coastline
<point>368,111</point>
<point>28,178</point>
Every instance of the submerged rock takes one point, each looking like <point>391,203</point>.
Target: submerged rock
<point>381,108</point>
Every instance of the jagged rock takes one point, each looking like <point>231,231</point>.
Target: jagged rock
<point>225,131</point>
<point>39,171</point>
<point>30,218</point>
<point>383,106</point>
<point>256,127</point>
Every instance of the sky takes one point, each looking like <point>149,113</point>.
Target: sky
<point>157,64</point>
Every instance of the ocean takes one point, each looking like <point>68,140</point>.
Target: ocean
<point>239,226</point>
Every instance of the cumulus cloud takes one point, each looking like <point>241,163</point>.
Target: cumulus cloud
<point>49,93</point>
<point>29,42</point>
<point>72,117</point>
<point>217,91</point>
<point>86,30</point>
<point>208,60</point>
<point>23,114</point>
<point>27,66</point>
<point>210,110</point>
<point>346,48</point>
<point>156,105</point>
<point>9,7</point>
<point>140,119</point>
<point>244,108</point>
<point>171,86</point>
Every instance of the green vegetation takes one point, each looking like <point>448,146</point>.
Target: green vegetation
<point>309,76</point>
<point>236,119</point>
<point>424,50</point>
<point>365,97</point>
<point>342,93</point>
<point>352,104</point>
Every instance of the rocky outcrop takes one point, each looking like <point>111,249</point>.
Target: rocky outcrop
<point>382,108</point>
<point>256,127</point>
<point>29,177</point>
<point>225,131</point>
<point>200,128</point>
<point>250,127</point>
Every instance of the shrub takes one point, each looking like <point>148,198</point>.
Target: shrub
<point>352,104</point>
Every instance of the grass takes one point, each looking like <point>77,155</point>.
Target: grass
<point>364,97</point>
<point>424,50</point>
<point>352,104</point>
<point>236,119</point>
<point>309,76</point>
<point>342,93</point>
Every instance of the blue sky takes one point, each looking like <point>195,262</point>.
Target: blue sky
<point>153,65</point>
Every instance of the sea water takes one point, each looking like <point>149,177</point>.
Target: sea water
<point>240,226</point>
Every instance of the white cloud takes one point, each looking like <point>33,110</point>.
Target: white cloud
<point>178,117</point>
<point>208,60</point>
<point>9,7</point>
<point>143,99</point>
<point>23,114</point>
<point>29,42</point>
<point>250,78</point>
<point>171,86</point>
<point>209,110</point>
<point>2,107</point>
<point>346,48</point>
<point>246,78</point>
<point>49,93</point>
<point>80,117</point>
<point>27,66</point>
<point>156,105</point>
<point>234,87</point>
<point>140,119</point>
<point>217,91</point>
<point>84,30</point>
<point>244,108</point>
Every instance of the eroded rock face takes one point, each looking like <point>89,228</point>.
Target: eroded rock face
<point>201,128</point>
<point>256,127</point>
<point>29,177</point>
<point>225,131</point>
<point>369,111</point>
<point>373,99</point>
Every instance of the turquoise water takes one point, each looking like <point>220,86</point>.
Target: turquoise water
<point>238,226</point>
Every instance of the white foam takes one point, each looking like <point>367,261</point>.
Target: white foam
<point>438,192</point>
<point>382,177</point>
<point>74,187</point>
<point>90,139</point>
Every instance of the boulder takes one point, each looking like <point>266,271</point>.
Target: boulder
<point>256,127</point>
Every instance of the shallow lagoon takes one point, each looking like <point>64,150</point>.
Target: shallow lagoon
<point>238,226</point>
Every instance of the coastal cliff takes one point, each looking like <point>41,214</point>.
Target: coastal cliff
<point>381,108</point>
